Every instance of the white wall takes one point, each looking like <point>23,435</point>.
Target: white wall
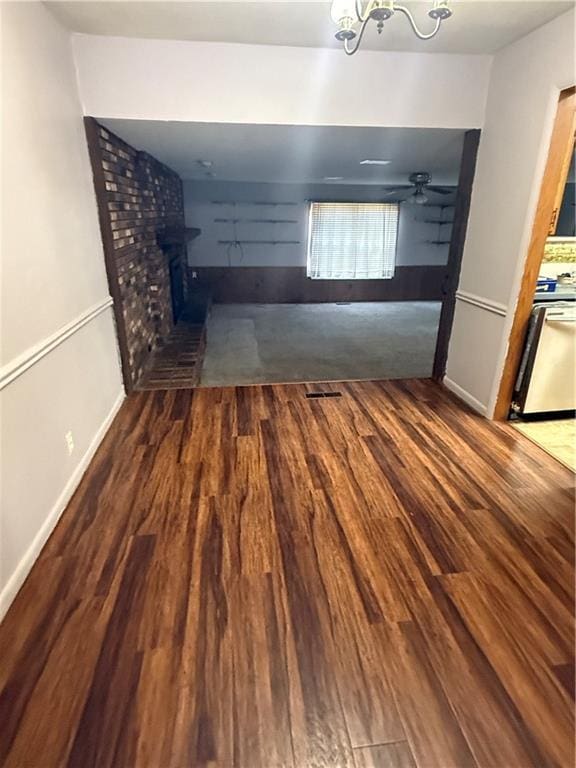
<point>554,268</point>
<point>524,87</point>
<point>414,236</point>
<point>225,82</point>
<point>60,368</point>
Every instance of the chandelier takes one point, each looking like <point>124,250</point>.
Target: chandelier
<point>348,13</point>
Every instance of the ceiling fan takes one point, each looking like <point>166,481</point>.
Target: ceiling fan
<point>420,183</point>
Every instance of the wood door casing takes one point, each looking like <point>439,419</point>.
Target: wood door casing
<point>551,192</point>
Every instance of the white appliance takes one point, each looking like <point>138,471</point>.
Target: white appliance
<point>546,380</point>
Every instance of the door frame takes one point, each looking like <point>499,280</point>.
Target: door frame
<point>456,250</point>
<point>549,202</point>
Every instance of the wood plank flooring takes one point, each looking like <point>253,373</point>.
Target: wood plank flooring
<point>247,578</point>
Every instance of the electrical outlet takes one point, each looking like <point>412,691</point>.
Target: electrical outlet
<point>69,442</point>
<point>194,275</point>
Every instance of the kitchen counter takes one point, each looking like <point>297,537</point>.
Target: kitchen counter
<point>562,293</point>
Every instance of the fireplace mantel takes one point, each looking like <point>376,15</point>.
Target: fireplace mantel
<point>174,236</point>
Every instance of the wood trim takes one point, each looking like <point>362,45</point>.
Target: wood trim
<point>16,367</point>
<point>92,136</point>
<point>456,250</point>
<point>479,301</point>
<point>290,285</point>
<point>551,191</point>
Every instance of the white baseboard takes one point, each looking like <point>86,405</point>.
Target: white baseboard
<point>464,395</point>
<point>25,565</point>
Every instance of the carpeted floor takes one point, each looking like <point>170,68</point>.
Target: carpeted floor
<point>259,343</point>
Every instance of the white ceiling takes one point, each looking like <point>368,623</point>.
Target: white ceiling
<point>477,26</point>
<point>296,154</point>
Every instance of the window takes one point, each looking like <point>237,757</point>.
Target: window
<point>352,241</point>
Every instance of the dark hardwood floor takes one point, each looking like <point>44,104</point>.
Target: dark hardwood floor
<point>249,578</point>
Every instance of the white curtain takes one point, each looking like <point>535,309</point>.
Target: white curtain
<point>352,241</point>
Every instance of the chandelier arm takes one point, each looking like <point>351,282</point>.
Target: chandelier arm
<point>351,51</point>
<point>410,18</point>
<point>363,15</point>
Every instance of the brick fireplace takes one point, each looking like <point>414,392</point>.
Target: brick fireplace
<point>139,200</point>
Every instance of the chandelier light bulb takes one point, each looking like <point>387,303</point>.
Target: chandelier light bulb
<point>343,10</point>
<point>380,10</point>
<point>440,10</point>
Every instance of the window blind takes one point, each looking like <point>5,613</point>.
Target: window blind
<point>352,241</point>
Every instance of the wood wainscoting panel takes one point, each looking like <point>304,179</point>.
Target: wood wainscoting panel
<point>290,285</point>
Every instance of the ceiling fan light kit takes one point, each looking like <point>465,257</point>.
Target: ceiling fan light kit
<point>418,198</point>
<point>348,13</point>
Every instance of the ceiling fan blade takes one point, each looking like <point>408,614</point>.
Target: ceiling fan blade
<point>398,198</point>
<point>397,187</point>
<point>395,190</point>
<point>441,190</point>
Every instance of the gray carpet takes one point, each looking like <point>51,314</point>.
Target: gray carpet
<point>259,343</point>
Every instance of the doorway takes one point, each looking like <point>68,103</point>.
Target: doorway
<point>545,222</point>
<point>538,387</point>
<point>368,293</point>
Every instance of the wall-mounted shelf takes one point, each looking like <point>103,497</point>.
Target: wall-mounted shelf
<point>256,221</point>
<point>249,202</point>
<point>176,236</point>
<point>258,242</point>
<point>273,221</point>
